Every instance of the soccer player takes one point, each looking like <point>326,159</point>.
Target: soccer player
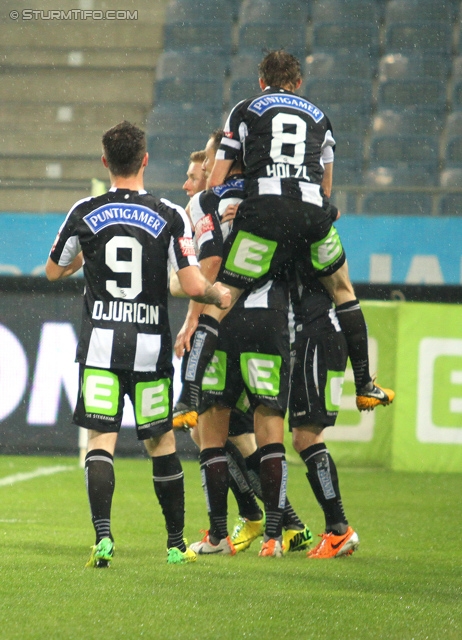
<point>125,240</point>
<point>319,358</point>
<point>255,332</point>
<point>288,152</point>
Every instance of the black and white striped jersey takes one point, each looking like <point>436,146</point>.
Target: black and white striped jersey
<point>207,209</point>
<point>285,141</point>
<point>128,239</point>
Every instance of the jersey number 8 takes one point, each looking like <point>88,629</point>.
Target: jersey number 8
<point>296,137</point>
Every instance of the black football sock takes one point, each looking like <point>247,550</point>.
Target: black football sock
<point>239,483</point>
<point>168,478</point>
<point>353,325</point>
<point>290,519</point>
<point>252,463</point>
<point>323,478</point>
<point>273,477</point>
<point>203,346</point>
<point>215,481</point>
<point>100,482</point>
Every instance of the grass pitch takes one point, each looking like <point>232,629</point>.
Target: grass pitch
<point>404,582</point>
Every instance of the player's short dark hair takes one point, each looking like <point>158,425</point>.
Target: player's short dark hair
<point>280,69</point>
<point>197,156</point>
<point>216,136</point>
<point>124,148</point>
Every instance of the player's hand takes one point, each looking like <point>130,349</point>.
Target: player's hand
<point>225,296</point>
<point>183,339</point>
<point>230,213</point>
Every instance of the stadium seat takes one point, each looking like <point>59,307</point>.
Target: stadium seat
<point>182,64</point>
<point>200,34</point>
<point>364,10</point>
<point>451,178</point>
<point>184,10</point>
<point>245,65</point>
<point>404,176</point>
<point>398,66</point>
<point>207,92</point>
<point>263,10</point>
<point>243,88</point>
<point>350,147</point>
<point>425,36</point>
<point>273,34</point>
<point>389,122</point>
<point>398,203</point>
<point>166,172</point>
<point>450,204</point>
<point>453,151</point>
<point>421,94</point>
<point>187,118</point>
<point>348,172</point>
<point>346,35</point>
<point>338,65</point>
<point>407,10</point>
<point>350,92</point>
<point>453,124</point>
<point>402,150</point>
<point>168,146</point>
<point>456,95</point>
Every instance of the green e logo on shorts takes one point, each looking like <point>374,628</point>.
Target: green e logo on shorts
<point>261,373</point>
<point>100,392</point>
<point>152,400</point>
<point>334,387</point>
<point>326,251</point>
<point>250,255</point>
<point>215,375</point>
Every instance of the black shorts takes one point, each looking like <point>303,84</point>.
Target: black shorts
<point>240,422</point>
<point>100,401</point>
<point>270,232</point>
<point>318,371</point>
<point>253,355</point>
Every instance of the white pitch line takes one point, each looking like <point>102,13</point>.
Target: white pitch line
<point>41,471</point>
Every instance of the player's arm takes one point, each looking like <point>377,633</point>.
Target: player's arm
<point>219,172</point>
<point>201,290</point>
<point>55,272</point>
<point>175,286</point>
<point>328,178</point>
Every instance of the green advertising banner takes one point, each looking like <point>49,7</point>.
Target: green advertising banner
<point>416,349</point>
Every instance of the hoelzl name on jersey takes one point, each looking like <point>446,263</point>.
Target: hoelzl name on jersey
<point>132,214</point>
<point>281,170</point>
<point>261,105</point>
<point>121,311</point>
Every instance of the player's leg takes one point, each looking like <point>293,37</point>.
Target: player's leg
<point>251,523</point>
<point>350,316</point>
<point>269,432</point>
<point>102,419</point>
<point>100,483</point>
<point>314,401</point>
<point>339,538</point>
<point>296,535</point>
<point>213,433</point>
<point>151,395</point>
